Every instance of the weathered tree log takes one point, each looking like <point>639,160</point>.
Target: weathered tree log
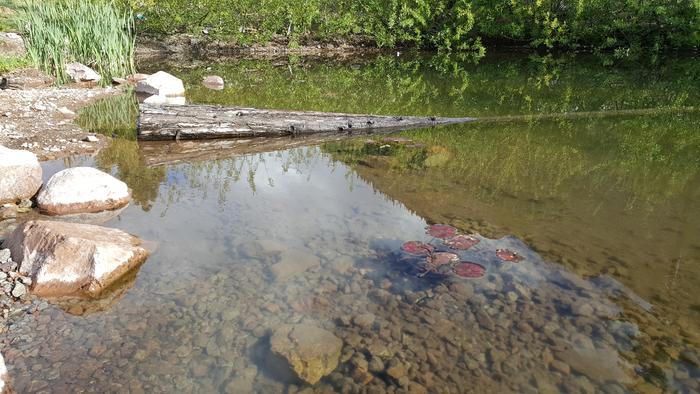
<point>171,122</point>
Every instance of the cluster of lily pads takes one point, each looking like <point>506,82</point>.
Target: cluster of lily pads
<point>439,256</point>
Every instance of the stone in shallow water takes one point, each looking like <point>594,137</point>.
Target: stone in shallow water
<point>311,352</point>
<point>20,175</point>
<point>292,263</point>
<point>82,190</point>
<point>65,259</point>
<point>599,365</point>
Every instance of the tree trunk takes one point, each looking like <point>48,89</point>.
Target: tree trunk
<point>183,122</point>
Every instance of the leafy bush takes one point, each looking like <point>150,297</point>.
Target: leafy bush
<point>622,25</point>
<point>94,33</point>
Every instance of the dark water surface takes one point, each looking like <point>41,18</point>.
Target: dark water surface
<point>604,210</point>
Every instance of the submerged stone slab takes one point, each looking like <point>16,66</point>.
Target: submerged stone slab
<point>20,175</point>
<point>292,263</point>
<point>71,259</point>
<point>311,351</point>
<point>82,190</point>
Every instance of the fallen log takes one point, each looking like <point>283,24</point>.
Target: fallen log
<point>186,122</point>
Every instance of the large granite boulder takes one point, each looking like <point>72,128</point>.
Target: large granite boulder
<point>161,84</point>
<point>71,259</point>
<point>82,190</point>
<point>311,352</point>
<point>20,175</point>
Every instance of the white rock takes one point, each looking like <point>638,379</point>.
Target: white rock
<point>20,175</point>
<point>67,113</point>
<point>161,84</point>
<point>80,72</point>
<point>71,259</point>
<point>4,380</point>
<point>82,190</point>
<point>165,100</point>
<point>91,138</point>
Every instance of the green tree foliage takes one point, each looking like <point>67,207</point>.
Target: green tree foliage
<point>621,26</point>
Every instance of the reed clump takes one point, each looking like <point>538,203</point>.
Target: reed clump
<point>92,32</point>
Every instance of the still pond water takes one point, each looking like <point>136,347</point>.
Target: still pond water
<point>603,209</point>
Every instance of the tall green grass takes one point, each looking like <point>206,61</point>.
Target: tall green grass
<point>114,116</point>
<point>91,32</point>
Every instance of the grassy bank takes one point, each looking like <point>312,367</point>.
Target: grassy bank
<point>94,33</point>
<point>620,26</point>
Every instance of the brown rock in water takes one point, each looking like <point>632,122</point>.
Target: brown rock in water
<point>71,259</point>
<point>82,190</point>
<point>599,365</point>
<point>20,175</point>
<point>292,263</point>
<point>311,352</point>
<point>213,82</point>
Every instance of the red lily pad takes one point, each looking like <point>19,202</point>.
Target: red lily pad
<point>461,242</point>
<point>468,269</point>
<point>508,255</point>
<point>441,231</point>
<point>442,258</point>
<point>417,248</point>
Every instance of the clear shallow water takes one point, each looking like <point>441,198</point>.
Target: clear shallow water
<point>604,210</point>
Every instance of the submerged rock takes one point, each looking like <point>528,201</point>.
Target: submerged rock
<point>70,259</point>
<point>20,175</point>
<point>161,84</point>
<point>292,263</point>
<point>599,365</point>
<point>213,82</point>
<point>82,190</point>
<point>311,352</point>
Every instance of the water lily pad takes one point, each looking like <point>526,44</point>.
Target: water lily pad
<point>508,255</point>
<point>441,231</point>
<point>417,248</point>
<point>468,269</point>
<point>442,258</point>
<point>461,242</point>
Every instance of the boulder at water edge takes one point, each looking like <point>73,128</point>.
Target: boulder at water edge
<point>82,190</point>
<point>165,100</point>
<point>161,84</point>
<point>311,352</point>
<point>71,259</point>
<point>20,175</point>
<point>82,73</point>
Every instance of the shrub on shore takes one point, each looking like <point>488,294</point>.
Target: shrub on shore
<point>615,25</point>
<point>95,33</point>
